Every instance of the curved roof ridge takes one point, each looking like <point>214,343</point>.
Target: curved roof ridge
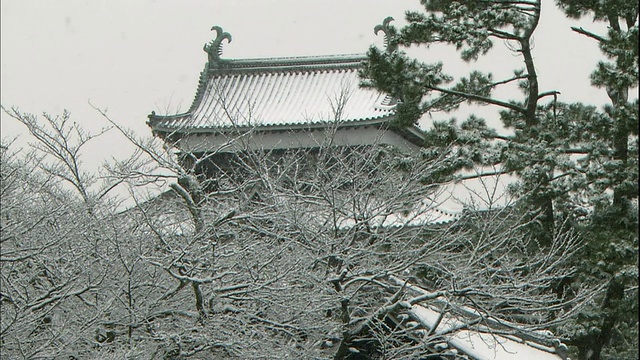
<point>300,63</point>
<point>322,58</point>
<point>203,79</point>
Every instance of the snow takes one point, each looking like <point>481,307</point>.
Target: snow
<point>481,346</point>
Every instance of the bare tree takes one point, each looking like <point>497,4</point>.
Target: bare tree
<point>311,253</point>
<point>53,254</point>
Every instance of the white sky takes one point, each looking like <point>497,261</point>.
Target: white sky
<point>135,56</point>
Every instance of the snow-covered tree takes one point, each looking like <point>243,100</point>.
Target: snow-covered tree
<point>574,162</point>
<point>609,329</point>
<point>292,254</point>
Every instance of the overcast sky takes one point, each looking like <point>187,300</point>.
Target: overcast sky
<point>132,57</point>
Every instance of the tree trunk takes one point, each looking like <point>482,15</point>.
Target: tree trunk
<point>590,348</point>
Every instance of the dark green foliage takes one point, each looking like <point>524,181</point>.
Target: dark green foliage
<point>450,22</point>
<point>577,164</point>
<point>601,10</point>
<point>405,78</point>
<point>609,328</point>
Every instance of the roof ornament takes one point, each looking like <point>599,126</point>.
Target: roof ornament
<point>214,48</point>
<point>389,34</point>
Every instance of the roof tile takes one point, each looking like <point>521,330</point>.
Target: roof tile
<point>266,92</point>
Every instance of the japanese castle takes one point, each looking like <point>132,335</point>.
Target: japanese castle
<point>291,103</point>
<point>284,104</point>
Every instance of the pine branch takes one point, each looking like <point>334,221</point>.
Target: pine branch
<point>477,176</point>
<point>548,93</point>
<point>503,34</point>
<point>479,98</point>
<point>582,31</point>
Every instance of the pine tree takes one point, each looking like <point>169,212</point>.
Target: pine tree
<point>575,163</point>
<point>611,255</point>
<point>472,27</point>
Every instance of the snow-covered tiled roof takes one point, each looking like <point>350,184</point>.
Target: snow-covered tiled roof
<point>277,92</point>
<point>484,345</point>
<point>273,95</point>
<point>484,342</point>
